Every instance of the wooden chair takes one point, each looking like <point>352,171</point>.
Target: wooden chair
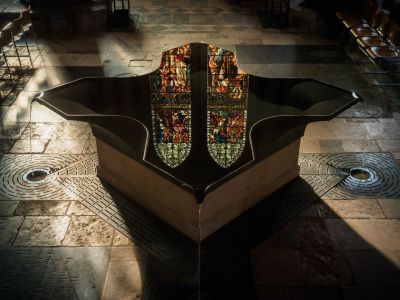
<point>5,40</point>
<point>388,27</point>
<point>18,34</point>
<point>361,24</point>
<point>26,23</point>
<point>6,43</point>
<point>364,19</point>
<point>388,57</point>
<point>8,46</point>
<point>374,29</point>
<point>363,13</point>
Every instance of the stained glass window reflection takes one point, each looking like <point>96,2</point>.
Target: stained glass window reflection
<point>171,98</point>
<point>226,104</point>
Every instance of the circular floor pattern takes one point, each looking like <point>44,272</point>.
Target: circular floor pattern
<point>14,174</point>
<point>383,180</point>
<point>311,164</point>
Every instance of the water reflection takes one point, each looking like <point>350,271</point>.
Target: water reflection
<point>226,104</point>
<point>227,91</point>
<point>171,98</point>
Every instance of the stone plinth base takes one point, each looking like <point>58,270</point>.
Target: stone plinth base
<point>178,207</point>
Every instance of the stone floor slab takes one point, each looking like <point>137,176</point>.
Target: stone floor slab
<point>66,146</point>
<point>42,208</point>
<point>388,129</point>
<point>124,281</point>
<point>7,208</point>
<point>326,268</point>
<point>350,209</point>
<point>392,146</point>
<point>8,229</point>
<point>6,145</point>
<point>29,146</point>
<point>78,209</point>
<point>338,129</point>
<point>355,234</point>
<point>129,253</point>
<point>375,268</point>
<point>121,239</point>
<point>88,231</point>
<point>42,231</point>
<point>301,233</point>
<point>323,145</point>
<point>41,131</point>
<point>310,211</point>
<point>390,207</point>
<point>53,273</point>
<point>277,267</point>
<point>90,147</point>
<point>12,130</point>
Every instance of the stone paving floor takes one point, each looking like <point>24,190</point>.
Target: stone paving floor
<point>58,247</point>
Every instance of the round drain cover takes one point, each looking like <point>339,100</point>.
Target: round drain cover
<point>359,174</point>
<point>36,175</point>
<point>363,175</point>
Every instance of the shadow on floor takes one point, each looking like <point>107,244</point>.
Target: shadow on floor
<point>222,266</point>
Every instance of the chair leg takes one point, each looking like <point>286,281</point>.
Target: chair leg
<point>342,36</point>
<point>35,40</point>
<point>8,70</point>
<point>33,32</point>
<point>16,51</point>
<point>29,52</point>
<point>34,35</point>
<point>7,65</point>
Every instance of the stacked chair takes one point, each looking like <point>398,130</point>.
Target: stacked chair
<point>375,34</point>
<point>7,77</point>
<point>18,35</point>
<point>27,22</point>
<point>14,48</point>
<point>6,40</point>
<point>360,18</point>
<point>387,56</point>
<point>387,30</point>
<point>371,29</point>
